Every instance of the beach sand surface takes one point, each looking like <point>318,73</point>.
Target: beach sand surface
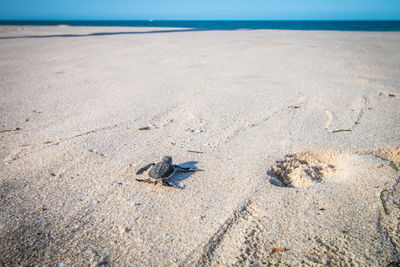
<point>297,133</point>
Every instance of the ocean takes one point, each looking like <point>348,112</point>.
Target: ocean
<point>225,24</point>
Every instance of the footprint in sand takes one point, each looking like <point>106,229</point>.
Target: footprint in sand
<point>309,168</point>
<point>305,169</point>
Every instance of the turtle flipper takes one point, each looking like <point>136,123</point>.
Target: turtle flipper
<point>145,168</point>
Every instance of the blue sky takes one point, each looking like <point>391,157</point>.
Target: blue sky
<point>202,9</point>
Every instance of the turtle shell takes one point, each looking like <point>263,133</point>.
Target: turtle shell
<point>162,170</point>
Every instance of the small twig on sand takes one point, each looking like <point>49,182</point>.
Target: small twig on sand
<point>293,106</point>
<point>192,151</point>
<point>341,130</point>
<point>146,128</point>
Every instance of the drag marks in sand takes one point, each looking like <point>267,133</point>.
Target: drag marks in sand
<point>38,147</point>
<point>337,121</point>
<point>348,119</point>
<point>240,241</point>
<point>374,102</point>
<point>390,223</point>
<point>214,243</point>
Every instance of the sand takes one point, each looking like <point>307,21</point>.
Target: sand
<point>283,183</point>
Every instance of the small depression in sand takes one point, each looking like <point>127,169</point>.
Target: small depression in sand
<point>307,168</point>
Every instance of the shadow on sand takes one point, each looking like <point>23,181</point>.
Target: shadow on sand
<point>181,176</point>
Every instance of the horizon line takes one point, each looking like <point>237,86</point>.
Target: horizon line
<point>149,20</point>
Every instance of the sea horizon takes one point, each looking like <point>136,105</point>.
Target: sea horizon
<point>335,25</point>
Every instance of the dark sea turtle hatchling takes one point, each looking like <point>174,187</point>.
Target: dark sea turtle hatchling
<point>162,171</point>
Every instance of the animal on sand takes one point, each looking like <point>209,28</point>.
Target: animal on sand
<point>162,171</point>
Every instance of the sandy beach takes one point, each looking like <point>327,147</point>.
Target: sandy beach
<point>297,133</point>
